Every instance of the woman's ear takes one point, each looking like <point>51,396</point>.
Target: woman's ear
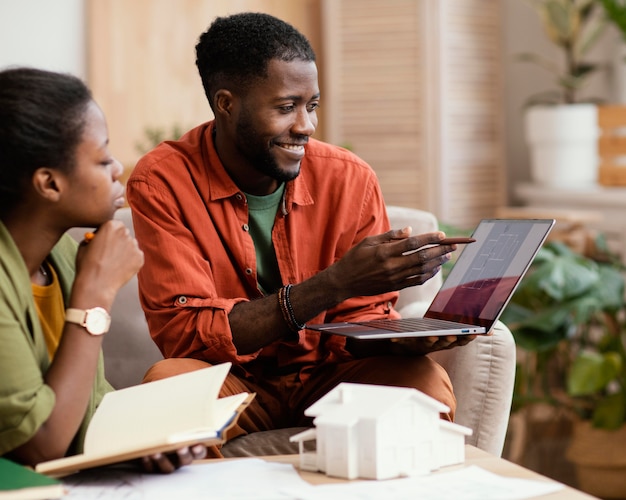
<point>48,183</point>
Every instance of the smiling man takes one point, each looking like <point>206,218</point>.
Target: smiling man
<point>251,228</point>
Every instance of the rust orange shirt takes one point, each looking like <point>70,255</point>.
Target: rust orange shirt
<point>191,222</point>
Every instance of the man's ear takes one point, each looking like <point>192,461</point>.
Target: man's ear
<point>48,183</point>
<point>223,103</point>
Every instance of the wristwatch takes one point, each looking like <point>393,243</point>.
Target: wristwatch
<point>96,320</point>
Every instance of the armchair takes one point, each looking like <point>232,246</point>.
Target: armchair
<point>482,372</point>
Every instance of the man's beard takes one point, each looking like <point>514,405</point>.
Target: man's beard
<point>257,152</point>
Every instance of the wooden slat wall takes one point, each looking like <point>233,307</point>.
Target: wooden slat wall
<point>473,171</point>
<point>375,85</point>
<point>414,89</point>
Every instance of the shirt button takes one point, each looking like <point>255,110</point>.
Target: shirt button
<point>245,227</point>
<point>248,271</point>
<point>239,196</point>
<point>182,299</point>
<point>389,305</point>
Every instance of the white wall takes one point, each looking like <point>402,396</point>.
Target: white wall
<point>47,34</point>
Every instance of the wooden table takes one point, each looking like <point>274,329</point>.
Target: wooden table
<point>130,483</point>
<point>473,456</point>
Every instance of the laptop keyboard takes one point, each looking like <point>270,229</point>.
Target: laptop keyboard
<point>410,324</point>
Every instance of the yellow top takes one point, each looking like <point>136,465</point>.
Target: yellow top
<point>51,310</point>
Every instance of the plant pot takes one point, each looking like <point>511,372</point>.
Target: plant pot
<point>563,142</point>
<point>537,437</point>
<point>600,459</point>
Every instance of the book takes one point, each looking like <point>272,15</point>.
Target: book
<point>22,483</point>
<point>156,417</point>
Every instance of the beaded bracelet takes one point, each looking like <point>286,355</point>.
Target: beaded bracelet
<point>283,307</point>
<point>286,309</point>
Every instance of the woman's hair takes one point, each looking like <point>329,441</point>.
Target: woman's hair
<point>234,52</point>
<point>42,117</point>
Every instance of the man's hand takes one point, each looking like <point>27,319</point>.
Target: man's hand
<point>167,463</point>
<point>424,345</point>
<point>389,262</point>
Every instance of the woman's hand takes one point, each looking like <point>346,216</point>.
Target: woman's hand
<point>167,463</point>
<point>104,264</point>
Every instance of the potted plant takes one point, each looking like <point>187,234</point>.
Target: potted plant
<point>597,382</point>
<point>568,319</point>
<point>564,295</point>
<point>562,130</point>
<point>153,136</point>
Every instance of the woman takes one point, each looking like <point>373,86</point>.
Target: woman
<point>56,172</point>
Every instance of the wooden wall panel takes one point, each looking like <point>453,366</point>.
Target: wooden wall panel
<point>473,171</point>
<point>374,66</point>
<point>141,60</point>
<point>414,89</point>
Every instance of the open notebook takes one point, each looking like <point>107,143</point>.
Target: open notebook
<point>158,417</point>
<point>478,287</point>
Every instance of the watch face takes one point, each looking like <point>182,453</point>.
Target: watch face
<point>97,321</point>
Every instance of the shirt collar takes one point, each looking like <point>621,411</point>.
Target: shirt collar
<point>222,186</point>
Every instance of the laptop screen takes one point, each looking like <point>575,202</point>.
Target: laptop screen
<point>485,275</point>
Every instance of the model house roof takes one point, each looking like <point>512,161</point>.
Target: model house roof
<point>350,402</point>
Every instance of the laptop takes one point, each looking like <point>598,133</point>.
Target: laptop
<point>476,291</point>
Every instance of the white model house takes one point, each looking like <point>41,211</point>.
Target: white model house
<point>380,432</point>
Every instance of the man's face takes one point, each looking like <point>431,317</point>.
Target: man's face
<point>275,119</point>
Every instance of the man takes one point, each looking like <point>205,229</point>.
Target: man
<point>251,228</point>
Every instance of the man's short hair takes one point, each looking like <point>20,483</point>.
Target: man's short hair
<point>235,50</point>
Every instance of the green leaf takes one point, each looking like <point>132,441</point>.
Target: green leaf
<point>589,39</point>
<point>538,332</point>
<point>591,372</point>
<point>567,277</point>
<point>611,344</point>
<point>540,61</point>
<point>574,27</point>
<point>583,69</point>
<point>558,21</point>
<point>611,291</point>
<point>610,413</point>
<point>586,8</point>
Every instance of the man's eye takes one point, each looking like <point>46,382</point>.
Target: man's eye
<point>287,109</point>
<point>313,106</point>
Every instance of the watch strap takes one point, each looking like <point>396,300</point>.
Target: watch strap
<point>73,315</point>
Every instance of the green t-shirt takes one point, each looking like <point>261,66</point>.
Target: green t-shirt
<point>262,213</point>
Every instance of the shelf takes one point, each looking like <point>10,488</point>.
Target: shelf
<point>598,207</point>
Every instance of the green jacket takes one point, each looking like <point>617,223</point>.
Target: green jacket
<point>25,400</point>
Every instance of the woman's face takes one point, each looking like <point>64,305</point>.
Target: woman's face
<point>93,191</point>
